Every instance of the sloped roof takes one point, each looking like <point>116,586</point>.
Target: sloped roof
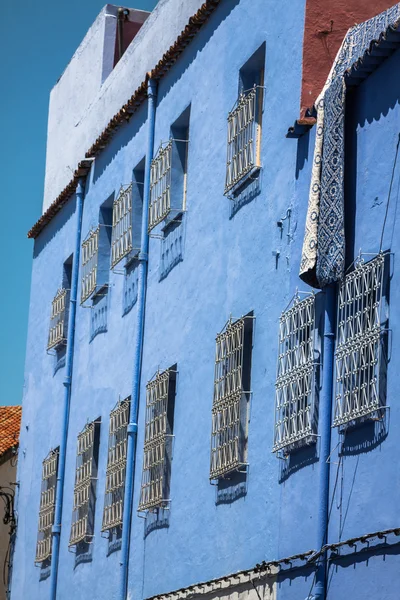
<point>10,424</point>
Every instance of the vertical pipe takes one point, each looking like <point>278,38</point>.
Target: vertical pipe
<point>138,345</point>
<point>325,419</point>
<point>56,530</point>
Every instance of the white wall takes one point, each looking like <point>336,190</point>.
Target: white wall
<point>85,99</point>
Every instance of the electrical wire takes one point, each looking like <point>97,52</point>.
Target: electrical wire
<point>390,191</point>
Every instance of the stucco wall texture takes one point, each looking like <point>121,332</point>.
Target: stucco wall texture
<point>233,262</point>
<point>326,24</point>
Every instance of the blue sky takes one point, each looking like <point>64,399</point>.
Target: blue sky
<point>37,39</point>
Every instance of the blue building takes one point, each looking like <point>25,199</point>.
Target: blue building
<point>210,403</point>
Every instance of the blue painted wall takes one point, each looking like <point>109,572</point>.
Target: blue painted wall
<point>228,267</point>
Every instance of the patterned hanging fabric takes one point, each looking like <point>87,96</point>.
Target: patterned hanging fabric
<point>323,254</point>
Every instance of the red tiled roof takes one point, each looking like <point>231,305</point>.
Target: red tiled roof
<point>10,423</point>
<point>123,115</point>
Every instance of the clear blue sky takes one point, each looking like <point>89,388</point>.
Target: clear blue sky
<point>37,39</point>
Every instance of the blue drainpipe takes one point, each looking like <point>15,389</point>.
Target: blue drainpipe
<point>56,530</point>
<point>142,285</point>
<point>325,421</point>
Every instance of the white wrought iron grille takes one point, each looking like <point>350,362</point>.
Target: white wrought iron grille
<point>47,506</point>
<point>155,472</point>
<point>358,353</point>
<point>295,388</point>
<point>81,528</point>
<point>121,237</point>
<point>57,320</point>
<point>116,466</point>
<point>228,431</point>
<point>90,252</point>
<point>243,131</point>
<point>160,186</point>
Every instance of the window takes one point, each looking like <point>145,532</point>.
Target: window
<point>121,240</point>
<point>47,506</point>
<point>116,466</point>
<point>90,248</point>
<point>58,329</point>
<point>244,125</point>
<point>96,251</point>
<point>168,174</point>
<point>159,427</point>
<point>295,403</point>
<point>60,310</point>
<point>231,397</point>
<point>360,353</point>
<point>82,528</point>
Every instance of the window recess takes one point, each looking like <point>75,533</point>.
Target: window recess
<point>361,351</point>
<point>168,175</point>
<point>90,257</point>
<point>116,466</point>
<point>58,319</point>
<point>47,506</point>
<point>82,527</point>
<point>121,238</point>
<point>296,411</point>
<point>231,398</point>
<point>159,427</point>
<point>244,126</point>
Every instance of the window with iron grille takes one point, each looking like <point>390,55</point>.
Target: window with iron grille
<point>360,350</point>
<point>90,250</point>
<point>243,139</point>
<point>58,322</point>
<point>82,528</point>
<point>231,398</point>
<point>156,474</point>
<point>160,185</point>
<point>244,126</point>
<point>116,466</point>
<point>121,238</point>
<point>47,506</point>
<point>295,404</point>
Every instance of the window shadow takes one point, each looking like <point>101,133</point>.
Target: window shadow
<point>157,519</point>
<point>172,246</point>
<point>83,553</point>
<point>45,569</point>
<point>250,190</point>
<point>98,314</point>
<point>114,540</point>
<point>365,436</point>
<point>298,459</point>
<point>229,489</point>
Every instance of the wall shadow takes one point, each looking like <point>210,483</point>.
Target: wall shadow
<point>230,489</point>
<point>157,519</point>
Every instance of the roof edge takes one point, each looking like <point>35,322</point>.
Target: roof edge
<point>168,59</point>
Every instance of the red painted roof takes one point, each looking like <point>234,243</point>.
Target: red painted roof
<point>10,423</point>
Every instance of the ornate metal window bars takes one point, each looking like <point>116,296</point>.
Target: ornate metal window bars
<point>160,185</point>
<point>116,466</point>
<point>229,412</point>
<point>58,321</point>
<point>85,484</point>
<point>47,506</point>
<point>295,405</point>
<point>157,442</point>
<point>243,138</point>
<point>121,237</point>
<point>359,343</point>
<point>90,250</point>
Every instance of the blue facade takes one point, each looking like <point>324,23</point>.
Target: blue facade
<point>224,258</point>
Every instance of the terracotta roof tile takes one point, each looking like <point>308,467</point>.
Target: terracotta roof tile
<point>10,423</point>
